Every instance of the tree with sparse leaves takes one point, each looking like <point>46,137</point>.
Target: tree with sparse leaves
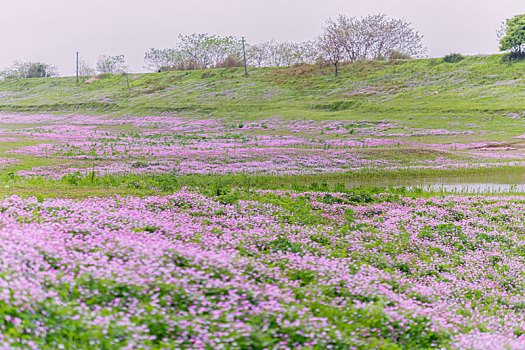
<point>277,54</point>
<point>203,51</point>
<point>375,37</point>
<point>196,51</point>
<point>332,44</point>
<point>392,35</point>
<point>84,69</point>
<point>163,59</point>
<point>112,64</point>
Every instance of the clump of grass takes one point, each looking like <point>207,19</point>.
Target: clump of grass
<point>340,105</point>
<point>207,74</point>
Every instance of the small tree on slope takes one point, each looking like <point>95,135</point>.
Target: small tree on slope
<point>513,34</point>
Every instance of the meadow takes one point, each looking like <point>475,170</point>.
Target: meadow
<point>209,210</point>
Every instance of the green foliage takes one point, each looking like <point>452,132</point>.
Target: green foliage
<point>453,58</point>
<point>514,38</point>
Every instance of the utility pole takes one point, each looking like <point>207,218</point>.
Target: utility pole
<point>244,54</point>
<point>77,68</point>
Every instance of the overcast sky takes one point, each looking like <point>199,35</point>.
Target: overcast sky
<point>53,30</point>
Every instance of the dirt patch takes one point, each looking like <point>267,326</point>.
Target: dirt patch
<point>95,78</point>
<point>497,145</point>
<point>295,72</point>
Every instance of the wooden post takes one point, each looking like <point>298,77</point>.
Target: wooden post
<point>77,68</point>
<point>244,54</point>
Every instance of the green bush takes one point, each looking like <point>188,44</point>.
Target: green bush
<point>453,58</point>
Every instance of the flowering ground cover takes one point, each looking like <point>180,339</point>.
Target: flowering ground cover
<point>261,269</point>
<point>196,223</point>
<point>53,146</point>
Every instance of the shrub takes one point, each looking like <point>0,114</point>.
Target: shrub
<point>513,56</point>
<point>453,58</point>
<point>230,61</point>
<point>397,55</point>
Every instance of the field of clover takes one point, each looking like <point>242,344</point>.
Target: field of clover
<point>263,269</point>
<point>52,146</point>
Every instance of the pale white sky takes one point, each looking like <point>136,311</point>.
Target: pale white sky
<point>53,30</point>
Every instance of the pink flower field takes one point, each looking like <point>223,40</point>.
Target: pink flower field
<point>254,269</point>
<point>156,264</point>
<point>72,143</point>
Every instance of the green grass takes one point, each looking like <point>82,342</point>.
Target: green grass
<point>472,87</point>
<point>83,186</point>
<point>473,91</point>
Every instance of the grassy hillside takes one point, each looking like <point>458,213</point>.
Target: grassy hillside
<point>431,90</point>
<point>478,84</point>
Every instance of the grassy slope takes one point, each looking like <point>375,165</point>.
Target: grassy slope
<point>476,92</point>
<point>473,86</point>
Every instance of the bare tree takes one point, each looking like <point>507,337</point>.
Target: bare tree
<point>257,54</point>
<point>331,43</point>
<point>112,64</point>
<point>84,69</point>
<point>385,35</point>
